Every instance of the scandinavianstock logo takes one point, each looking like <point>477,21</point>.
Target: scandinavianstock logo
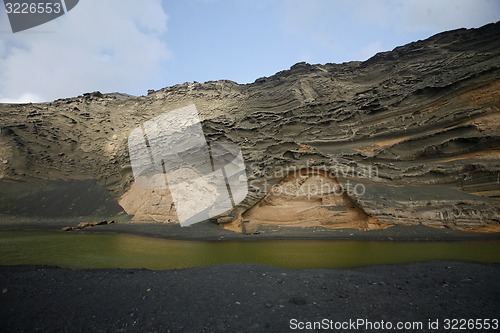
<point>27,14</point>
<point>205,179</point>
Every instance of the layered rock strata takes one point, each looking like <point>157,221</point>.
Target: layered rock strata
<point>410,136</point>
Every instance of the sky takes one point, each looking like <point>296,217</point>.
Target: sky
<point>130,46</point>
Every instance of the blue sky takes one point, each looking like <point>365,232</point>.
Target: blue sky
<point>131,46</point>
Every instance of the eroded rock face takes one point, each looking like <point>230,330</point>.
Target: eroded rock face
<point>413,133</point>
<point>148,204</point>
<point>309,198</point>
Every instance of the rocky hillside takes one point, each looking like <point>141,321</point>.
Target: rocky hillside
<point>410,136</point>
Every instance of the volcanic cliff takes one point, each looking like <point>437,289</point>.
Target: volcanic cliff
<point>409,136</point>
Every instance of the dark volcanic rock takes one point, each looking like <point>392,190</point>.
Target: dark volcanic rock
<point>410,136</point>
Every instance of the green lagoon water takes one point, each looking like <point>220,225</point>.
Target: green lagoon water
<point>71,250</point>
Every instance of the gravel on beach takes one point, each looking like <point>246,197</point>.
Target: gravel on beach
<point>244,298</point>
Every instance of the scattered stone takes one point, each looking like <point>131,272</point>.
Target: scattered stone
<point>83,225</point>
<point>298,300</point>
<point>225,219</point>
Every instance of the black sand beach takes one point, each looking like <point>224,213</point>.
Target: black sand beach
<point>245,298</point>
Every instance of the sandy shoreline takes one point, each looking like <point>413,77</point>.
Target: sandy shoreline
<point>211,232</point>
<point>243,297</point>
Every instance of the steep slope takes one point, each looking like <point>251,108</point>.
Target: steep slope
<point>409,136</point>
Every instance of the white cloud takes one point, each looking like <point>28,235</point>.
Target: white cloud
<point>113,45</point>
<point>449,14</point>
<point>24,98</point>
<point>300,14</point>
<point>428,15</point>
<point>345,30</point>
